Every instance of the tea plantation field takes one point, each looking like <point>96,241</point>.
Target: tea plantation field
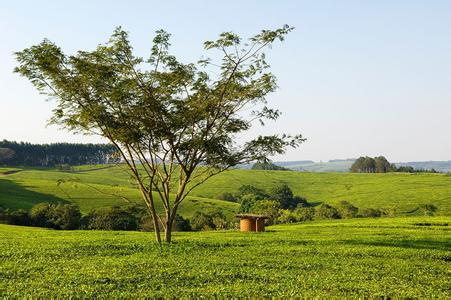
<point>406,257</point>
<point>93,186</point>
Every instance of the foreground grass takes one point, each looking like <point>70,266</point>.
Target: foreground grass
<point>401,257</point>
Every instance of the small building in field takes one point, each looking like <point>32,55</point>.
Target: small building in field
<point>251,222</point>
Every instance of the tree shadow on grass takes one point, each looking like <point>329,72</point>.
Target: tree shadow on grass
<point>14,195</point>
<point>404,243</point>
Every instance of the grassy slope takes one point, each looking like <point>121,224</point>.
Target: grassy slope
<point>26,188</point>
<point>348,258</point>
<point>405,191</point>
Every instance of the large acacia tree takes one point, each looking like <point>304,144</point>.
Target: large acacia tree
<point>174,124</point>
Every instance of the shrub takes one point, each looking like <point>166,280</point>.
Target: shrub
<point>20,217</point>
<point>4,215</point>
<point>41,215</point>
<point>65,216</point>
<point>181,224</point>
<point>258,194</point>
<point>247,203</point>
<point>146,223</point>
<point>219,220</point>
<point>202,221</point>
<point>347,210</point>
<point>428,209</point>
<point>60,216</point>
<point>227,197</point>
<point>303,214</point>
<point>17,217</point>
<point>115,218</point>
<point>57,216</point>
<point>325,211</point>
<point>286,216</point>
<point>388,211</point>
<point>269,208</point>
<point>369,213</point>
<point>300,201</point>
<point>283,194</point>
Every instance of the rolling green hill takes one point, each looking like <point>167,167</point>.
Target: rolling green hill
<point>92,186</point>
<point>362,258</point>
<point>89,187</point>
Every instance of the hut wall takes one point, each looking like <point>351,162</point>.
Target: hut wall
<point>247,224</point>
<point>260,225</point>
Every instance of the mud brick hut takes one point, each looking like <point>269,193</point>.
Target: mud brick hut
<point>251,222</point>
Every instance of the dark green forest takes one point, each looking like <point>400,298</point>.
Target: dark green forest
<point>51,155</point>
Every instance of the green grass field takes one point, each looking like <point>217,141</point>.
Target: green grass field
<point>403,191</point>
<point>363,258</point>
<point>90,187</point>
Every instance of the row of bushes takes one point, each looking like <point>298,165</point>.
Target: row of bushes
<point>280,205</point>
<point>343,210</point>
<point>131,217</point>
<point>68,216</point>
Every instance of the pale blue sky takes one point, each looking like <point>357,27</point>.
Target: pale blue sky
<point>356,77</point>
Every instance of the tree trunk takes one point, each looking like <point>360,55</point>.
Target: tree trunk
<point>156,226</point>
<point>170,217</point>
<point>168,234</point>
<point>168,229</point>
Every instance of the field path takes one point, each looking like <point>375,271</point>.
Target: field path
<point>9,172</point>
<point>95,169</point>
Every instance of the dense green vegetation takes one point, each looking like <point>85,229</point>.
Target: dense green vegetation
<point>380,164</point>
<point>93,187</point>
<point>50,155</point>
<point>390,257</point>
<point>267,166</point>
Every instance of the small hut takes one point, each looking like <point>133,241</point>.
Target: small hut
<point>251,222</point>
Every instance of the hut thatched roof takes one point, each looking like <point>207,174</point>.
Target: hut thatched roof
<point>251,216</point>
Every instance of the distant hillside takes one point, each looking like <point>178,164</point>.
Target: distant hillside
<point>343,165</point>
<point>441,166</point>
<point>92,187</point>
<point>336,165</point>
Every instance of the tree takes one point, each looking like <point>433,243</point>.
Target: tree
<point>283,194</point>
<point>268,166</point>
<point>177,120</point>
<point>269,208</point>
<point>325,211</point>
<point>250,190</point>
<point>202,221</point>
<point>41,215</point>
<point>6,154</point>
<point>382,165</point>
<point>347,210</point>
<point>357,166</point>
<point>364,165</point>
<point>114,218</point>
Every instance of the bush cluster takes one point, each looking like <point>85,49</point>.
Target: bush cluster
<point>281,206</point>
<point>68,216</point>
<point>213,220</point>
<point>129,217</point>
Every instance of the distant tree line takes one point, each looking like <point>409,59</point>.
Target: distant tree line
<point>268,166</point>
<point>380,164</point>
<point>50,155</point>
